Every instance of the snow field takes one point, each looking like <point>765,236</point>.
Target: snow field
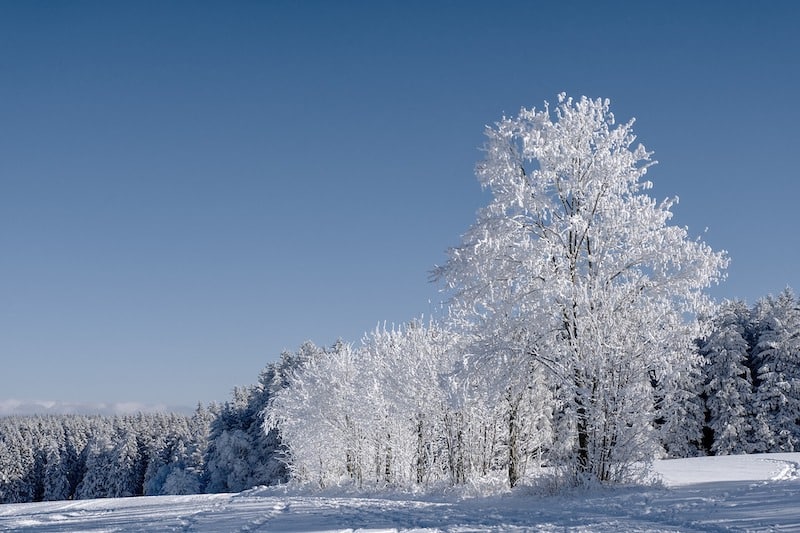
<point>726,493</point>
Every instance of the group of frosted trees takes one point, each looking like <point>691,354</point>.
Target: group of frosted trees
<point>406,408</point>
<point>569,338</point>
<point>394,411</point>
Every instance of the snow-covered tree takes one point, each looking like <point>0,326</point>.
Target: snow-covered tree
<point>240,455</point>
<point>127,474</point>
<point>375,414</point>
<point>680,412</point>
<point>776,406</point>
<point>502,415</point>
<point>230,468</point>
<point>56,474</point>
<point>728,384</point>
<point>408,370</point>
<point>100,468</point>
<point>317,416</point>
<point>16,464</point>
<point>573,268</point>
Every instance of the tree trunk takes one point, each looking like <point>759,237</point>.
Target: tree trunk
<point>387,472</point>
<point>420,452</point>
<point>582,426</point>
<point>513,442</point>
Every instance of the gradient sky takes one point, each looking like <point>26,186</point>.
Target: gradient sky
<point>189,188</point>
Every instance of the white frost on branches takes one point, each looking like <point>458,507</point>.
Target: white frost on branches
<point>570,337</point>
<point>574,269</point>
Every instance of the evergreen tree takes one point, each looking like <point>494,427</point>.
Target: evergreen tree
<point>240,454</point>
<point>728,386</point>
<point>680,412</point>
<point>98,481</point>
<point>776,407</point>
<point>56,473</point>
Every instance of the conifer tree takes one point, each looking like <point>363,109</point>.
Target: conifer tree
<point>776,405</point>
<point>728,386</point>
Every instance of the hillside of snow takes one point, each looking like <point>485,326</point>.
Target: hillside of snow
<point>727,493</point>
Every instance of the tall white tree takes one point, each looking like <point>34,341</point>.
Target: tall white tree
<point>573,268</point>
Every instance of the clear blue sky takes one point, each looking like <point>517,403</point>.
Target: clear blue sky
<point>189,188</point>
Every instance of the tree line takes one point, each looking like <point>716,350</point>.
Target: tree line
<point>395,411</point>
<point>219,448</point>
<point>399,410</point>
<point>64,457</point>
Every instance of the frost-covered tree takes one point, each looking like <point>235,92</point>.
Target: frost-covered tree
<point>127,474</point>
<point>318,416</point>
<point>15,468</point>
<point>56,474</point>
<point>728,387</point>
<point>408,369</point>
<point>526,412</point>
<point>573,268</point>
<point>502,417</point>
<point>376,414</point>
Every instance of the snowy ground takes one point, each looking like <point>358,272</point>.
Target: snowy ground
<point>733,493</point>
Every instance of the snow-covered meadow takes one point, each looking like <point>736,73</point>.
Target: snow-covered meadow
<point>724,493</point>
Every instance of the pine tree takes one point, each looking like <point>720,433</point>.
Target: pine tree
<point>777,379</point>
<point>680,413</point>
<point>98,481</point>
<point>56,473</point>
<point>728,386</point>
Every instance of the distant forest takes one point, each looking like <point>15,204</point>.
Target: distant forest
<point>221,448</point>
<point>744,398</point>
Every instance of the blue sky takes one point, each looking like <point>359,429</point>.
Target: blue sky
<point>189,188</point>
